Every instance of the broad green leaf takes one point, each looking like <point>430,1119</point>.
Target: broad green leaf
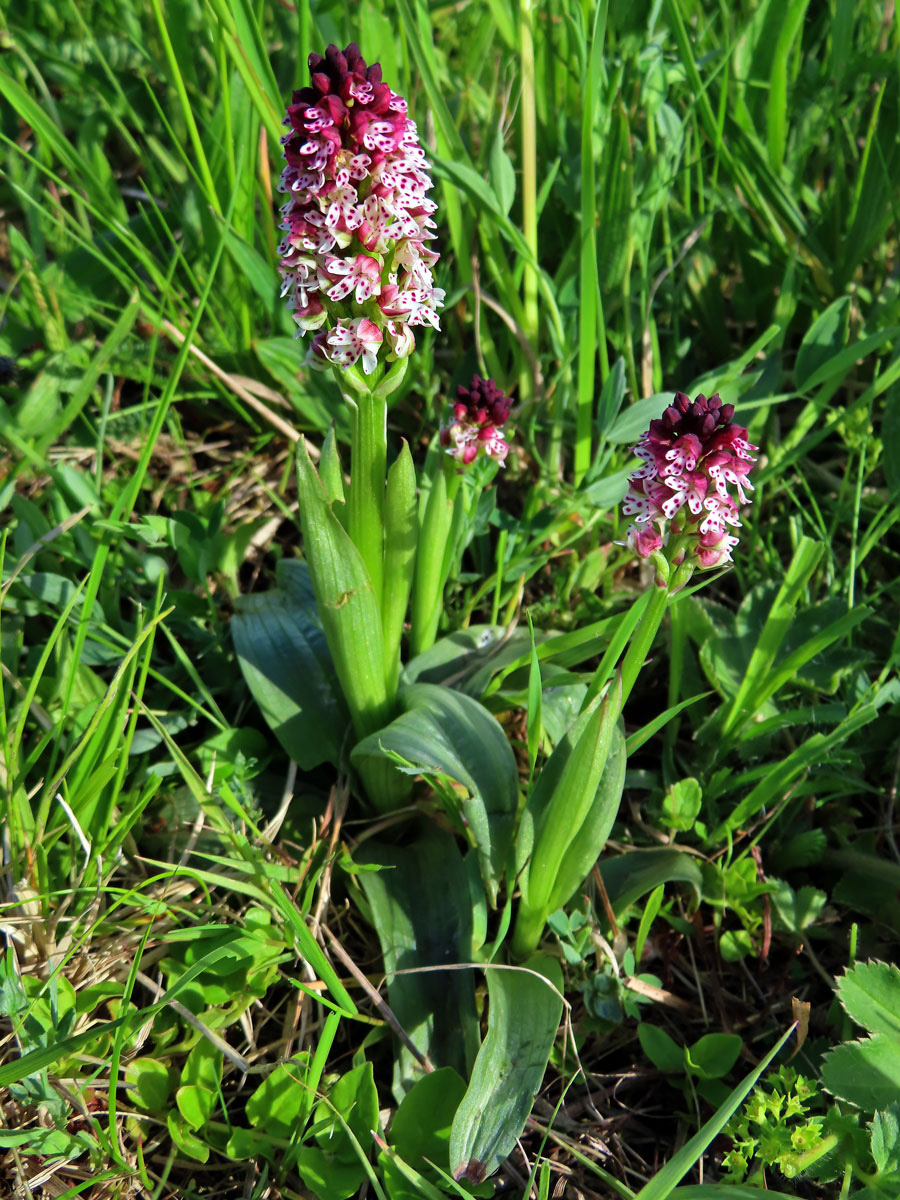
<point>865,1073</point>
<point>343,1125</point>
<point>151,1081</point>
<point>418,926</point>
<point>523,1016</point>
<point>330,1178</point>
<point>420,1131</point>
<point>890,435</point>
<point>870,994</point>
<point>795,911</point>
<point>713,1055</point>
<point>588,843</point>
<point>401,530</point>
<point>446,735</point>
<point>284,658</point>
<point>662,1050</point>
<point>681,804</point>
<point>629,876</point>
<point>184,1138</point>
<point>277,1103</point>
<point>571,785</point>
<point>196,1104</point>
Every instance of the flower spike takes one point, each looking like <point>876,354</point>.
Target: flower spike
<point>689,457</point>
<point>354,260</point>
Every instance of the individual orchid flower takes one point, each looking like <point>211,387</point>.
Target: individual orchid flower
<point>679,496</point>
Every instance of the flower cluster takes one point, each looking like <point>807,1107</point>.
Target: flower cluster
<point>478,414</point>
<point>688,459</point>
<point>354,260</point>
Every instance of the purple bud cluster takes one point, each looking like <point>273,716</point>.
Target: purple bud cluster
<point>481,409</point>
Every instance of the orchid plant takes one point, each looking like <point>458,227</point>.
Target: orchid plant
<point>357,267</point>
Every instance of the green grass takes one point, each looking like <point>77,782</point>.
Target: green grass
<point>632,201</point>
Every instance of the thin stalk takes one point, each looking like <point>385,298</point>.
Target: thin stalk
<point>529,185</point>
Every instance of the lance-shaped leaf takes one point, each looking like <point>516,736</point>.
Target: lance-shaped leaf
<point>420,907</point>
<point>401,530</point>
<point>428,587</point>
<point>587,845</point>
<point>445,735</point>
<point>570,801</point>
<point>287,665</point>
<point>348,607</point>
<point>524,1011</point>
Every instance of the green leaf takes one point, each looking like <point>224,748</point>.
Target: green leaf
<point>824,339</point>
<point>152,1083</point>
<point>562,801</point>
<point>662,1050</point>
<point>885,1139</point>
<point>523,1017</point>
<point>183,1137</point>
<point>713,1055</point>
<point>635,420</point>
<point>588,843</point>
<point>890,437</point>
<point>503,175</point>
<point>629,876</point>
<point>446,735</point>
<point>866,1073</point>
<point>681,804</point>
<point>796,911</point>
<point>735,944</point>
<point>284,658</point>
<point>196,1104</point>
<point>535,703</point>
<point>343,1125</point>
<point>417,927</point>
<point>349,610</point>
<point>870,994</point>
<point>277,1103</point>
<point>420,1131</point>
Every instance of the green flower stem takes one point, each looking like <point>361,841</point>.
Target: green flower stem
<point>528,931</point>
<point>368,464</point>
<point>642,639</point>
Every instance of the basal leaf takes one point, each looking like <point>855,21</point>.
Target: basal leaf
<point>418,926</point>
<point>444,734</point>
<point>629,876</point>
<point>286,663</point>
<point>523,1016</point>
